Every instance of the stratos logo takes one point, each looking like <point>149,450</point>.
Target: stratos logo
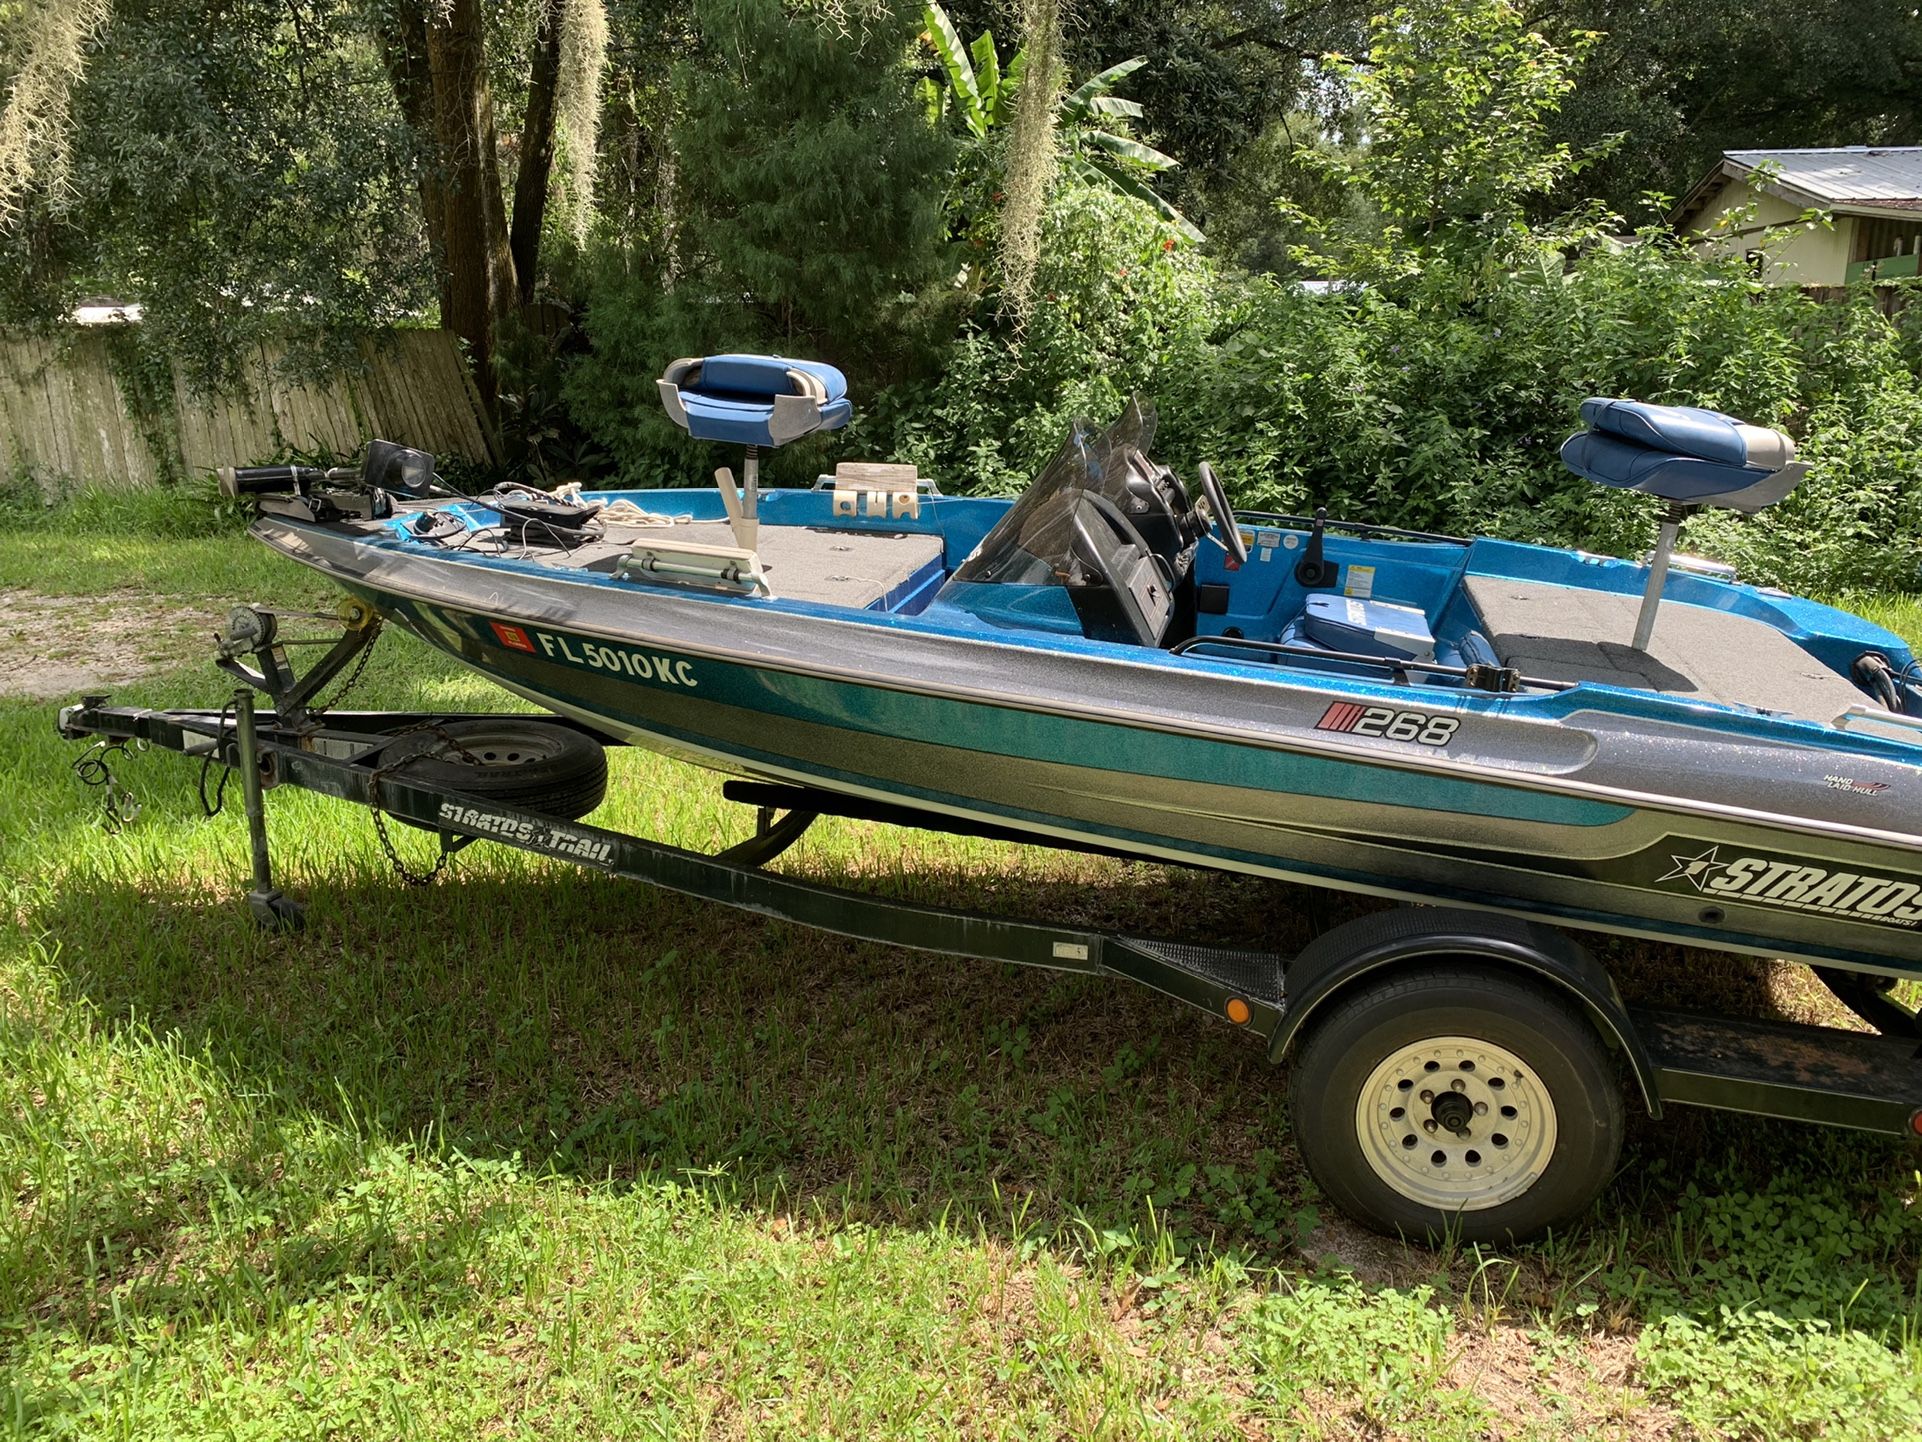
<point>1791,884</point>
<point>536,834</point>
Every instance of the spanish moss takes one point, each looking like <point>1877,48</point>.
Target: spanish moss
<point>34,132</point>
<point>1031,155</point>
<point>578,105</point>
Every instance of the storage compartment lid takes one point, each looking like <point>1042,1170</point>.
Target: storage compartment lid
<point>1369,628</point>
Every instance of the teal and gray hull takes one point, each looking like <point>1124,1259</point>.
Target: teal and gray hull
<point>1573,819</point>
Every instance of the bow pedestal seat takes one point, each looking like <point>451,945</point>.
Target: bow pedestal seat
<point>752,401</point>
<point>1690,458</point>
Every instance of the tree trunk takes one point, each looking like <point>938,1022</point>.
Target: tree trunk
<point>478,262</point>
<point>403,44</point>
<point>537,148</point>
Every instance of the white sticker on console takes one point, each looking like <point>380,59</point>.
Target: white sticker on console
<point>1360,583</point>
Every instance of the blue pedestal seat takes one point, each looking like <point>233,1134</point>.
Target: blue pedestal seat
<point>754,400</point>
<point>1688,456</point>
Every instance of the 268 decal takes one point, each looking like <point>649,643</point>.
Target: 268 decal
<point>1390,724</point>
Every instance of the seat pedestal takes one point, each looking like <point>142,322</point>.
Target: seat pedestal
<point>1687,456</point>
<point>743,503</point>
<point>1658,575</point>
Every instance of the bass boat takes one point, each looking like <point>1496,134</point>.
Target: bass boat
<point>1117,660</point>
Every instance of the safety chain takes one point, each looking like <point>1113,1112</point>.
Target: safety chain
<point>408,875</point>
<point>212,808</point>
<point>119,808</point>
<point>321,708</point>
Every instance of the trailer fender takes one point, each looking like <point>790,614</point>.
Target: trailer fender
<point>1407,936</point>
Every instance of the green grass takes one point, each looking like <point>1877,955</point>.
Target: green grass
<point>530,1152</point>
<point>1901,614</point>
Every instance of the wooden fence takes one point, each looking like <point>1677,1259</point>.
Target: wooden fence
<point>1891,300</point>
<point>64,414</point>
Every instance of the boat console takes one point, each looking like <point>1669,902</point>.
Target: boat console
<point>1103,535</point>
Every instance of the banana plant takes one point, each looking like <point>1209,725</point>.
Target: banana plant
<point>981,92</point>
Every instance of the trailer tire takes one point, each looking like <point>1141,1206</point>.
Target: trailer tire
<point>1457,1102</point>
<point>529,765</point>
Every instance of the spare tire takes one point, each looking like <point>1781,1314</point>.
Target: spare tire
<point>538,766</point>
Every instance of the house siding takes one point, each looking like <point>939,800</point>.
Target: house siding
<point>1794,252</point>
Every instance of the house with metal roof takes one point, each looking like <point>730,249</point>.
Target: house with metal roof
<point>1758,204</point>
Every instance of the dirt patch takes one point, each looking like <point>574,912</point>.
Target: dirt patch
<point>1566,1385</point>
<point>1373,1260</point>
<point>55,647</point>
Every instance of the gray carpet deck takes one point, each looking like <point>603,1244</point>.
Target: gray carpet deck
<point>801,563</point>
<point>1559,634</point>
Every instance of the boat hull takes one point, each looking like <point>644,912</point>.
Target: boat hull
<point>1554,819</point>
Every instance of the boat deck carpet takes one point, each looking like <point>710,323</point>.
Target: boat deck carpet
<point>1558,633</point>
<point>853,568</point>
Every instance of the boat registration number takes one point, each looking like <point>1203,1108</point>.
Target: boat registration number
<point>1423,727</point>
<point>593,656</point>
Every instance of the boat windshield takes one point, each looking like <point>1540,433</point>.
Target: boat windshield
<point>1033,545</point>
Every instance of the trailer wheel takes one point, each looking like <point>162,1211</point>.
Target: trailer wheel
<point>1458,1101</point>
<point>529,765</point>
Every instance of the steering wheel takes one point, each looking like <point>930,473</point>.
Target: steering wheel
<point>1224,514</point>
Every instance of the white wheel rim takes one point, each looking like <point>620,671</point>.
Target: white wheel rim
<point>1456,1124</point>
<point>495,750</point>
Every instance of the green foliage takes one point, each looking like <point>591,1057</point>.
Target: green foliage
<point>1261,215</point>
<point>811,181</point>
<point>1091,126</point>
<point>1220,75</point>
<point>1456,97</point>
<point>636,327</point>
<point>1115,296</point>
<point>1760,1375</point>
<point>241,178</point>
<point>192,510</point>
<point>145,377</point>
<point>1386,1355</point>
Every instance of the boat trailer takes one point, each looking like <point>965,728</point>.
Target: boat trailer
<point>1771,1068</point>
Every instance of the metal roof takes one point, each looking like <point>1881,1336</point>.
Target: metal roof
<point>1865,179</point>
<point>1851,175</point>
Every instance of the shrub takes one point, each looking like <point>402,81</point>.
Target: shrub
<point>1441,405</point>
<point>808,221</point>
<point>1116,296</point>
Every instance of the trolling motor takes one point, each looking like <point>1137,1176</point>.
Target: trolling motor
<point>336,493</point>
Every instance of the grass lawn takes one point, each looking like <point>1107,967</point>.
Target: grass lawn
<point>533,1153</point>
